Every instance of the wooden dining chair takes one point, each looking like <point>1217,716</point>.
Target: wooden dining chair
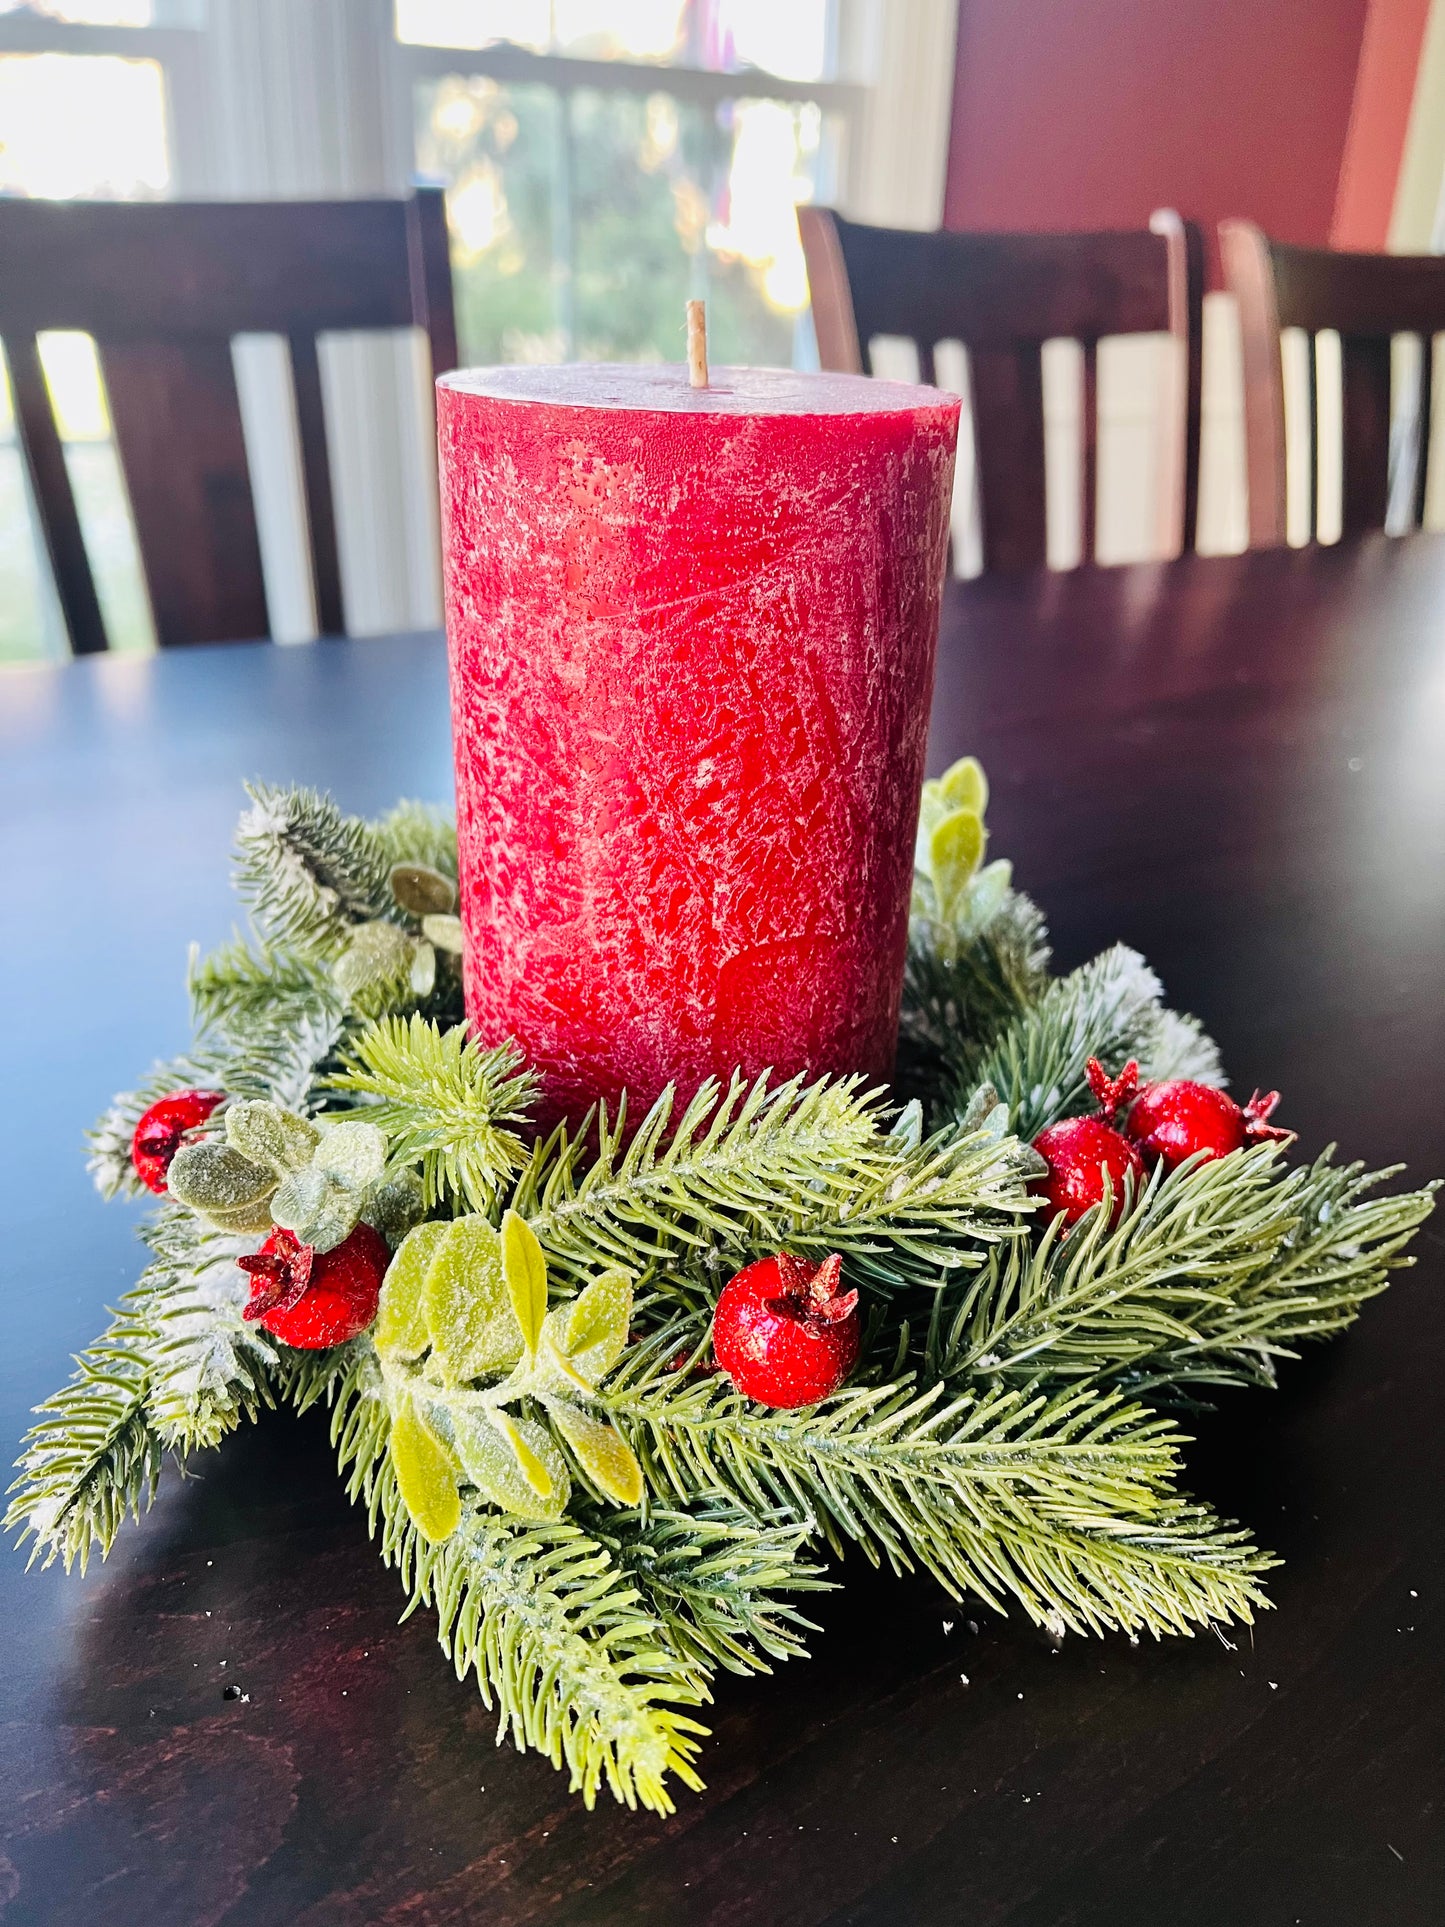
<point>1368,299</point>
<point>1003,296</point>
<point>163,288</point>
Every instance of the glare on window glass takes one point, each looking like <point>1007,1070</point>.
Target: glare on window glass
<point>91,124</point>
<point>92,13</point>
<point>784,37</point>
<point>475,23</point>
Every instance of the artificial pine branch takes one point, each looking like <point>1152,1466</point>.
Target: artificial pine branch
<point>1211,1275</point>
<point>1063,1501</point>
<point>960,990</point>
<point>209,1369</point>
<point>710,1575</point>
<point>306,872</point>
<point>91,1459</point>
<point>241,988</point>
<point>1340,1250</point>
<point>553,1626</point>
<point>752,1169</point>
<point>1110,1008</point>
<point>444,1102</point>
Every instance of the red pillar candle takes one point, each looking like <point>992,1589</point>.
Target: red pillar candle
<point>691,637</point>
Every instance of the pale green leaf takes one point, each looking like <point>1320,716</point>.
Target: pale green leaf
<point>604,1455</point>
<point>396,1205</point>
<point>955,850</point>
<point>597,1324</point>
<point>401,1327</point>
<point>270,1136</point>
<point>468,1311</point>
<point>216,1180</point>
<point>317,1209</point>
<point>445,932</point>
<point>525,1270</point>
<point>964,786</point>
<point>423,974</point>
<point>426,1472</point>
<point>351,1152</point>
<point>490,1459</point>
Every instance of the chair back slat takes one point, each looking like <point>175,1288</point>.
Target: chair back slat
<point>1003,296</point>
<point>316,479</point>
<point>164,288</point>
<point>1007,387</point>
<point>54,499</point>
<point>1367,299</point>
<point>177,424</point>
<point>1365,392</point>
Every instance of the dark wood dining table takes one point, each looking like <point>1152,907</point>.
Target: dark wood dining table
<point>1237,765</point>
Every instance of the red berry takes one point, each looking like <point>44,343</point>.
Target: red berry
<point>1180,1119</point>
<point>162,1131</point>
<point>784,1333</point>
<point>1079,1152</point>
<point>310,1298</point>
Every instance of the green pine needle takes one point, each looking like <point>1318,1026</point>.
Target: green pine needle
<point>443,1102</point>
<point>555,1629</point>
<point>710,1574</point>
<point>1109,1009</point>
<point>1062,1500</point>
<point>91,1460</point>
<point>209,1369</point>
<point>307,872</point>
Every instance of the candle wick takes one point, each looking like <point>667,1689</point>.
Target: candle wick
<point>697,343</point>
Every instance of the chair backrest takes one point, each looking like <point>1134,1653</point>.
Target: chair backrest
<point>1003,296</point>
<point>163,287</point>
<point>1367,299</point>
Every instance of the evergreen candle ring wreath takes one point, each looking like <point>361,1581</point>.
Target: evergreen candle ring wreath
<point>611,1397</point>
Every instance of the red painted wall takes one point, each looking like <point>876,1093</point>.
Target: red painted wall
<point>1379,121</point>
<point>1074,114</point>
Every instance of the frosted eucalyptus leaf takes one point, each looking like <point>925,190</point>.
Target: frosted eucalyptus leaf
<point>215,1179</point>
<point>395,1206</point>
<point>316,1208</point>
<point>907,1127</point>
<point>270,1136</point>
<point>469,1315</point>
<point>536,1453</point>
<point>423,974</point>
<point>955,850</point>
<point>603,1454</point>
<point>379,955</point>
<point>489,1461</point>
<point>597,1324</point>
<point>525,1271</point>
<point>421,890</point>
<point>964,786</point>
<point>988,892</point>
<point>445,932</point>
<point>400,1330</point>
<point>426,1473</point>
<point>351,1152</point>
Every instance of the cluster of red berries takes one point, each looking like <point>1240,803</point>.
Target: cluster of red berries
<point>1136,1129</point>
<point>307,1298</point>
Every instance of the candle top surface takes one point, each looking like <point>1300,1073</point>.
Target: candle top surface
<point>663,388</point>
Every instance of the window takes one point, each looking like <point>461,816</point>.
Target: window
<point>605,159</point>
<point>606,162</point>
